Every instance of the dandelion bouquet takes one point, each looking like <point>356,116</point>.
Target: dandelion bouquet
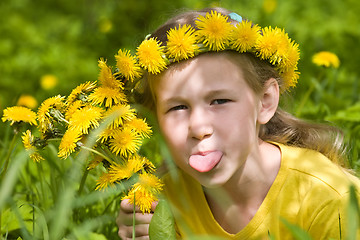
<point>100,106</point>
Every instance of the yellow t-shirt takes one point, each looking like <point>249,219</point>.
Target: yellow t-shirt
<point>309,191</point>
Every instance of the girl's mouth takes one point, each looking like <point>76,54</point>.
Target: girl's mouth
<point>204,162</point>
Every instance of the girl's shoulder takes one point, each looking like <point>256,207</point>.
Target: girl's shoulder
<point>313,168</point>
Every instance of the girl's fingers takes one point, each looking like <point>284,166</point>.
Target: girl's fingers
<point>141,230</point>
<point>127,218</point>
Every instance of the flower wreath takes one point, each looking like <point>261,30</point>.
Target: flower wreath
<point>213,33</point>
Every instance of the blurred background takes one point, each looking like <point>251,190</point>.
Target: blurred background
<point>47,47</point>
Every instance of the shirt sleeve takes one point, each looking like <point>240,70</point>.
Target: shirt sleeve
<point>331,221</point>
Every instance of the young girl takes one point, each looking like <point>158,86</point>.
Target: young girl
<point>246,168</point>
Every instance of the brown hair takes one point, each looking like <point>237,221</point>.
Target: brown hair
<point>283,127</point>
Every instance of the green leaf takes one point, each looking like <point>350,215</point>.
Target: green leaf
<point>162,225</point>
<point>296,231</point>
<point>353,215</point>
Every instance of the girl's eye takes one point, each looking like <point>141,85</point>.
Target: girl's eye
<point>176,108</point>
<point>219,101</point>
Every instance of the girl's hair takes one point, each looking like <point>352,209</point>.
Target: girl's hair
<point>283,127</point>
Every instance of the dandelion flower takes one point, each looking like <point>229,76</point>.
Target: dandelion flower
<point>140,126</point>
<point>150,54</point>
<point>119,114</point>
<point>126,170</point>
<point>103,182</point>
<point>127,65</point>
<point>105,135</point>
<point>48,81</point>
<point>106,96</point>
<point>290,59</point>
<point>27,101</point>
<point>125,142</point>
<point>290,78</point>
<point>28,141</point>
<point>85,118</point>
<point>80,91</point>
<point>267,43</point>
<point>214,30</point>
<point>150,182</point>
<point>144,192</point>
<point>72,108</point>
<point>143,198</point>
<point>68,142</point>
<point>106,77</point>
<point>181,43</point>
<point>326,59</point>
<point>244,36</point>
<point>18,114</point>
<point>283,45</point>
<point>46,110</point>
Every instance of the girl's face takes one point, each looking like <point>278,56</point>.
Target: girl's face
<point>208,116</point>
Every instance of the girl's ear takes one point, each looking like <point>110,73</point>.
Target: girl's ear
<point>269,101</point>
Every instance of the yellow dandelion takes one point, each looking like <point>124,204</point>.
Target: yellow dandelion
<point>19,114</point>
<point>214,30</point>
<point>27,101</point>
<point>269,6</point>
<point>127,65</point>
<point>72,108</point>
<point>140,126</point>
<point>267,43</point>
<point>283,45</point>
<point>119,114</point>
<point>181,43</point>
<point>125,142</point>
<point>103,182</point>
<point>290,78</point>
<point>292,58</point>
<point>105,135</point>
<point>106,77</point>
<point>80,91</point>
<point>326,59</point>
<point>48,81</point>
<point>150,182</point>
<point>144,192</point>
<point>28,141</point>
<point>147,165</point>
<point>46,110</point>
<point>244,36</point>
<point>106,96</point>
<point>151,56</point>
<point>68,142</point>
<point>85,118</point>
<point>120,172</point>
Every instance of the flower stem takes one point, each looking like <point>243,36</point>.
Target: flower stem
<point>7,159</point>
<point>98,153</point>
<point>83,180</point>
<point>304,100</point>
<point>133,229</point>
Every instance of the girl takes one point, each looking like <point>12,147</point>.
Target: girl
<point>246,168</point>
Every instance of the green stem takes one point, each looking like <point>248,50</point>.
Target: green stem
<point>2,174</point>
<point>7,159</point>
<point>133,229</point>
<point>83,180</point>
<point>98,153</point>
<point>304,100</point>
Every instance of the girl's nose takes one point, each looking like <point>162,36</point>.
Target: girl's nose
<point>200,126</point>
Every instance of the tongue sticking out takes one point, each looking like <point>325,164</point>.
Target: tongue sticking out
<point>205,162</point>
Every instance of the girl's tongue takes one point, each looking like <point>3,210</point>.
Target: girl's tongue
<point>205,162</point>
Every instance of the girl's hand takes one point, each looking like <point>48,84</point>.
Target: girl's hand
<point>125,221</point>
